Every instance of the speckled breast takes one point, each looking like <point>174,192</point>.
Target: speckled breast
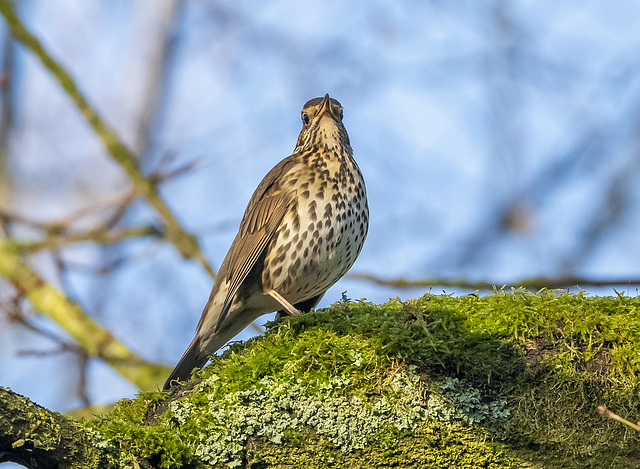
<point>324,230</point>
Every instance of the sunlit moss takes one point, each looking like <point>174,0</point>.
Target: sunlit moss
<point>511,379</point>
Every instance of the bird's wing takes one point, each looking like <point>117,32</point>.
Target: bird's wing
<point>260,222</point>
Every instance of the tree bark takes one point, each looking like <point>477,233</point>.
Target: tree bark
<point>39,438</point>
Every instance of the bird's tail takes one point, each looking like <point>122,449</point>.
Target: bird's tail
<point>194,357</point>
<point>206,343</point>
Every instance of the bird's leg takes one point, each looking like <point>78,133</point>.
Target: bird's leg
<point>289,308</point>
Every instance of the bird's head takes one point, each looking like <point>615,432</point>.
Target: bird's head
<point>322,125</point>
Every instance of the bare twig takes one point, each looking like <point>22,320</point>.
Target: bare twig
<point>159,64</point>
<point>113,202</point>
<point>602,410</point>
<point>14,314</point>
<point>6,121</point>
<point>159,176</point>
<point>99,235</point>
<point>97,341</point>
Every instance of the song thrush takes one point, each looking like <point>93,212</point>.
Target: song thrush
<point>302,230</point>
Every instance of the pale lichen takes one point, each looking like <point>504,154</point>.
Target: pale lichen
<point>452,400</point>
<point>271,409</point>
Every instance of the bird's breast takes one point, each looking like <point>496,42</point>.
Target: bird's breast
<point>321,234</point>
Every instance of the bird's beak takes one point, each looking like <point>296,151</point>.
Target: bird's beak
<point>326,106</point>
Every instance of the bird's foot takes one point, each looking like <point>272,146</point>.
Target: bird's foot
<point>288,307</point>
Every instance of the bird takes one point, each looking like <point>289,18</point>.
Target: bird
<point>302,230</point>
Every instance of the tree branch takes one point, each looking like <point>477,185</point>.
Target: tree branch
<point>534,283</point>
<point>186,243</point>
<point>97,341</point>
<point>38,438</point>
<point>100,235</point>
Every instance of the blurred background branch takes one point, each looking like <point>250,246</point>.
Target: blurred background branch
<point>96,341</point>
<point>186,243</point>
<point>529,283</point>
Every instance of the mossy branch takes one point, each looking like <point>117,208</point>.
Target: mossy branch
<point>503,381</point>
<point>39,438</point>
<point>97,341</point>
<point>186,243</point>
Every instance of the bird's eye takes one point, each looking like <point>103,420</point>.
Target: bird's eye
<point>341,113</point>
<point>305,118</point>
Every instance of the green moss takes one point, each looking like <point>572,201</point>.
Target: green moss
<point>125,430</point>
<point>312,356</point>
<point>505,380</point>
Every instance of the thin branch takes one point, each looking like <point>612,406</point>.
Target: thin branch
<point>6,122</point>
<point>97,341</point>
<point>159,176</point>
<point>15,315</point>
<point>531,283</point>
<point>186,243</point>
<point>602,410</point>
<point>157,75</point>
<point>115,202</point>
<point>99,235</point>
